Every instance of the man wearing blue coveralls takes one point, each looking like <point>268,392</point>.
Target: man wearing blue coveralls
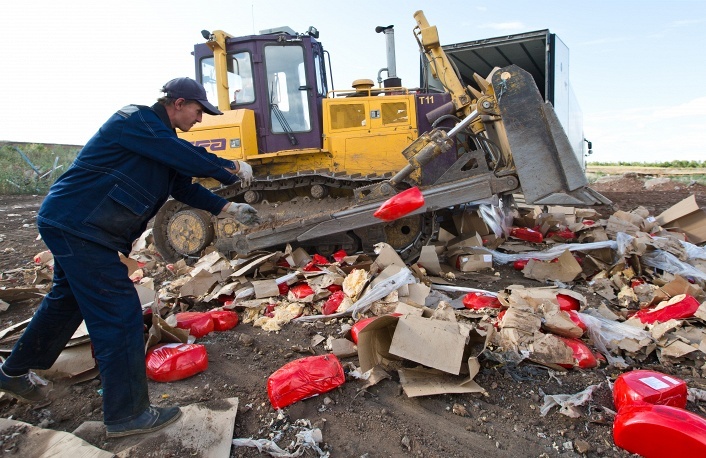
<point>95,210</point>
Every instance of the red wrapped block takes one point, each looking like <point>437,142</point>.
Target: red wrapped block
<point>583,356</point>
<point>358,326</point>
<point>332,303</point>
<point>527,234</point>
<point>681,306</point>
<point>477,301</point>
<point>304,378</point>
<point>170,362</point>
<point>657,431</point>
<point>567,302</point>
<point>650,387</point>
<point>223,319</point>
<point>400,204</point>
<point>198,323</point>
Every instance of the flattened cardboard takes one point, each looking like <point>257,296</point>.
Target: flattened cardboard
<point>206,427</point>
<point>433,343</point>
<point>50,443</point>
<point>343,348</point>
<point>687,217</point>
<point>430,260</point>
<point>428,382</point>
<point>265,288</point>
<point>565,269</point>
<point>417,294</point>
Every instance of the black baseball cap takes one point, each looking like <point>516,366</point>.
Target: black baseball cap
<point>186,88</point>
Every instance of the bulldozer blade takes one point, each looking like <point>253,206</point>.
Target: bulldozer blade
<point>548,169</point>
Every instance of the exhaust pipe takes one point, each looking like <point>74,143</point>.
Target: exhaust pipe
<point>392,79</point>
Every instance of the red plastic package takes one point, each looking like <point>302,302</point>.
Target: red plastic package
<point>198,323</point>
<point>520,264</point>
<point>175,361</point>
<point>400,204</point>
<point>223,320</point>
<point>657,431</point>
<point>283,288</point>
<point>563,235</point>
<point>681,306</point>
<point>583,356</point>
<point>651,387</point>
<point>332,303</point>
<point>339,256</point>
<point>527,234</point>
<point>301,290</point>
<point>304,378</point>
<point>358,326</point>
<point>477,301</point>
<point>567,302</point>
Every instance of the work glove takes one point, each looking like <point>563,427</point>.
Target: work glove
<point>244,213</point>
<point>244,172</point>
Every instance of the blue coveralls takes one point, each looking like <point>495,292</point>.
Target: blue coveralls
<point>96,209</point>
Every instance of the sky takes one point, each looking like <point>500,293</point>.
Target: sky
<point>636,66</point>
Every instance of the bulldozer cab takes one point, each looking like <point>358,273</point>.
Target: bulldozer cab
<point>279,75</point>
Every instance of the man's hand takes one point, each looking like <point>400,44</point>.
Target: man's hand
<point>244,172</point>
<point>244,213</point>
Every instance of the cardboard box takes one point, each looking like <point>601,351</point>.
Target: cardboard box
<point>687,217</point>
<point>471,262</point>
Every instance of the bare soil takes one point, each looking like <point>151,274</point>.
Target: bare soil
<point>378,422</point>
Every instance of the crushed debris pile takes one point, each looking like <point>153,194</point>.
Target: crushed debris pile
<point>413,320</point>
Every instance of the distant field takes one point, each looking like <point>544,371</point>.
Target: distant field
<point>644,170</point>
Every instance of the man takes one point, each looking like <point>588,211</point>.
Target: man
<point>96,209</point>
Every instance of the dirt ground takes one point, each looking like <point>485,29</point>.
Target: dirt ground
<point>378,422</point>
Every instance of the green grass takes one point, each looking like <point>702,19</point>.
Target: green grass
<point>37,171</point>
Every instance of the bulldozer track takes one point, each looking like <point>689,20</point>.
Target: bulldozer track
<point>183,232</point>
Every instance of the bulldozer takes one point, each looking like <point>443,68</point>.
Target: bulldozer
<point>325,159</point>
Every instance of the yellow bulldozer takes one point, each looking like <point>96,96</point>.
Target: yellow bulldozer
<point>324,160</point>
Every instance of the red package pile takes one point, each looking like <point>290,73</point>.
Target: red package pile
<point>198,323</point>
<point>651,420</point>
<point>477,301</point>
<point>400,204</point>
<point>304,378</point>
<point>678,307</point>
<point>170,362</point>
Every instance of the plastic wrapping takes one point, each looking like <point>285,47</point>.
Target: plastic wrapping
<point>605,334</point>
<point>359,326</point>
<point>198,323</point>
<point>175,361</point>
<point>567,302</point>
<point>693,251</point>
<point>400,204</point>
<point>547,255</point>
<point>655,431</point>
<point>669,263</point>
<point>304,378</point>
<point>651,387</point>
